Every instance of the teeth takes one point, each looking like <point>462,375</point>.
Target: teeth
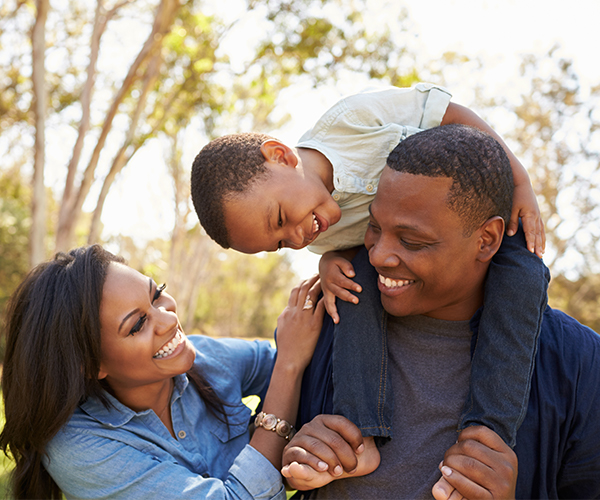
<point>394,283</point>
<point>168,349</point>
<point>316,225</point>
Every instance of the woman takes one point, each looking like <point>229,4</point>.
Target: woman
<point>106,397</point>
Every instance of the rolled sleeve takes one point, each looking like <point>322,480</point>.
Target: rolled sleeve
<point>257,475</point>
<point>118,471</point>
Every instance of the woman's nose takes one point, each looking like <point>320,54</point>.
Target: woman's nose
<point>165,320</point>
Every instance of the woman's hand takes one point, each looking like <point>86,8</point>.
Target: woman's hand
<point>299,325</point>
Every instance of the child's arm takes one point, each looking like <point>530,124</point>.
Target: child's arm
<point>524,202</point>
<point>335,271</point>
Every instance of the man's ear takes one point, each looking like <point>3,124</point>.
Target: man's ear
<point>491,234</point>
<point>277,152</point>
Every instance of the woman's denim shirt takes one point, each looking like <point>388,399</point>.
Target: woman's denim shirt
<point>118,453</point>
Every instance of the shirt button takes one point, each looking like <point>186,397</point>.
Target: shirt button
<point>369,187</point>
<point>181,434</point>
<point>336,197</point>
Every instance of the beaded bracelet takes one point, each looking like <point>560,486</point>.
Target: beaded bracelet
<point>270,422</point>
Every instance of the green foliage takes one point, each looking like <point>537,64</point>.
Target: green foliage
<point>245,296</point>
<point>14,238</point>
<point>557,132</point>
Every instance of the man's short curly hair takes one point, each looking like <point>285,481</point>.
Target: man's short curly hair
<point>227,165</point>
<point>482,184</point>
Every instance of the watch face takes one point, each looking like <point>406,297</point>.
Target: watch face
<point>269,422</point>
<point>283,428</point>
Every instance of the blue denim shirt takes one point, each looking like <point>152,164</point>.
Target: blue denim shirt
<point>558,444</point>
<point>118,453</point>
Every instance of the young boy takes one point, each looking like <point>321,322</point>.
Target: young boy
<point>253,193</point>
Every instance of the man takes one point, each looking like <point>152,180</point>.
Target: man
<point>437,219</point>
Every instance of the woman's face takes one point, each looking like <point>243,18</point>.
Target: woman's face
<point>142,340</point>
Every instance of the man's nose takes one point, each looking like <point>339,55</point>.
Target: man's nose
<point>383,254</point>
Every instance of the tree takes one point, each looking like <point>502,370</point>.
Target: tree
<point>38,206</point>
<point>557,132</point>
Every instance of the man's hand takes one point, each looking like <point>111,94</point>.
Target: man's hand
<point>335,271</point>
<point>327,448</point>
<point>479,466</point>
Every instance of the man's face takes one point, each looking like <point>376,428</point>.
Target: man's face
<point>425,264</point>
<point>285,209</point>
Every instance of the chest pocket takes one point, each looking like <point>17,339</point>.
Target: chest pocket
<point>238,418</point>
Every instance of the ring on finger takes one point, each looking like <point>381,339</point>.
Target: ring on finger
<point>308,304</point>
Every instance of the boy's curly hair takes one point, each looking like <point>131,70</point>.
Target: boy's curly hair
<point>482,184</point>
<point>227,165</point>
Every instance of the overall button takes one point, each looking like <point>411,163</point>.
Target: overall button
<point>181,434</point>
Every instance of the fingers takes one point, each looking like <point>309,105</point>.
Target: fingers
<point>463,486</point>
<point>443,490</point>
<point>485,436</point>
<point>481,465</point>
<point>329,301</point>
<point>513,223</point>
<point>331,439</point>
<point>302,477</point>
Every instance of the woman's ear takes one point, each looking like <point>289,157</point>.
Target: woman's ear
<point>277,152</point>
<point>491,234</point>
<point>102,374</point>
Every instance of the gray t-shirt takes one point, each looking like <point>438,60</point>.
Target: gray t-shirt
<point>430,368</point>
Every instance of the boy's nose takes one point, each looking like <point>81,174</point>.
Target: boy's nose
<point>296,238</point>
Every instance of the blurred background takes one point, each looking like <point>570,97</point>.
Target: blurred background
<point>104,104</point>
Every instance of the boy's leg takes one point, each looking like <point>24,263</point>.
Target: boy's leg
<point>503,359</point>
<point>362,390</point>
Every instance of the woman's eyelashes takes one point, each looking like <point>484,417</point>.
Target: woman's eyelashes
<point>142,319</point>
<point>159,290</point>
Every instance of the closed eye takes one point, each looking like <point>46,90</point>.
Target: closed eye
<point>140,322</point>
<point>412,246</point>
<point>159,290</point>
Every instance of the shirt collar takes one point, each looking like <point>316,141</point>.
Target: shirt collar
<point>117,414</point>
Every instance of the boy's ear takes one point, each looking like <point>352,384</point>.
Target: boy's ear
<point>491,234</point>
<point>277,152</point>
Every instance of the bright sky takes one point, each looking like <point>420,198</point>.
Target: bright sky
<point>498,31</point>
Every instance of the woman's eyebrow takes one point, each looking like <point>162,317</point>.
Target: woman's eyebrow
<point>150,283</point>
<point>127,317</point>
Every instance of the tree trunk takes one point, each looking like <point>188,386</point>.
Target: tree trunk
<point>68,218</point>
<point>37,252</point>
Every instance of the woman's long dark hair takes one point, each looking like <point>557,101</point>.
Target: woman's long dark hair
<point>52,360</point>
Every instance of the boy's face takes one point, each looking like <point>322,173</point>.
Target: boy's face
<point>425,264</point>
<point>285,209</point>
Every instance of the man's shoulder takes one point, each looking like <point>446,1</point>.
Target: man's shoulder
<point>565,341</point>
<point>561,330</point>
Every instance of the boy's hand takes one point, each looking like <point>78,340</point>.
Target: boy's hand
<point>479,465</point>
<point>335,272</point>
<point>525,206</point>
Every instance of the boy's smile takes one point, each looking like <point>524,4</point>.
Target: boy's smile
<point>285,209</point>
